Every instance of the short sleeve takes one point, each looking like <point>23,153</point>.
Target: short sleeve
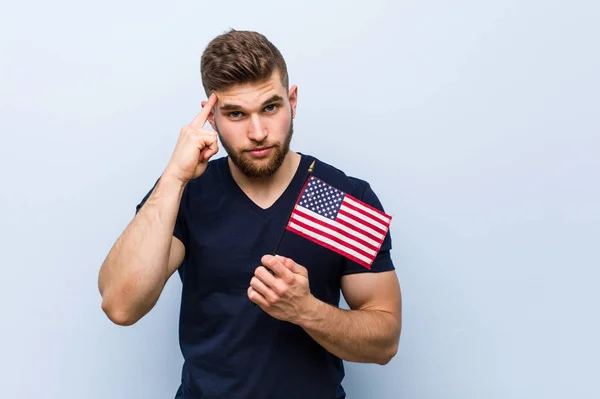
<point>180,231</point>
<point>383,261</point>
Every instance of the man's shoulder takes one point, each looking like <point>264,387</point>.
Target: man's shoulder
<point>338,178</point>
<point>211,175</point>
<point>208,187</point>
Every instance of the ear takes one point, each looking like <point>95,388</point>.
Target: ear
<point>293,96</point>
<point>211,117</point>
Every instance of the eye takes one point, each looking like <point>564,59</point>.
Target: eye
<point>235,114</point>
<point>271,108</point>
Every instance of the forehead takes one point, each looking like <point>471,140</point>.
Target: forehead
<point>250,95</point>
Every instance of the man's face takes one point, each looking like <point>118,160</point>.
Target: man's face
<point>255,124</point>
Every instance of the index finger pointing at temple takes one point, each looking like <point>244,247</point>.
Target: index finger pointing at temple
<point>201,118</point>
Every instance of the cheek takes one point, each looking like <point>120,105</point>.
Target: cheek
<point>231,131</point>
<point>281,123</point>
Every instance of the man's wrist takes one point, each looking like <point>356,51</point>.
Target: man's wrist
<point>312,313</point>
<point>172,181</point>
<point>167,189</point>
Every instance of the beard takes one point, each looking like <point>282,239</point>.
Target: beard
<point>258,169</point>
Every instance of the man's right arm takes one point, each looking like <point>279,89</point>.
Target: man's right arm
<point>143,258</point>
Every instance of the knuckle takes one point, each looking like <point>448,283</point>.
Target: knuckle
<point>281,289</point>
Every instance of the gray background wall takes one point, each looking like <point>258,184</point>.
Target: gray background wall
<point>476,122</point>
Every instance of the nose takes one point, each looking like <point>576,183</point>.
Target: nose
<point>257,131</point>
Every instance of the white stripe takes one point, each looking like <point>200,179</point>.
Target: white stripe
<point>338,225</point>
<point>377,214</point>
<point>363,217</point>
<point>333,233</point>
<point>360,225</point>
<point>330,242</point>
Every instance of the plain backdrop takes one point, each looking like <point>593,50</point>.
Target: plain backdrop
<point>476,123</point>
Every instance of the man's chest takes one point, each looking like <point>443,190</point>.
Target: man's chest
<point>224,251</point>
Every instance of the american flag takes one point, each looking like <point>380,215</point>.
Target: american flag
<point>338,221</point>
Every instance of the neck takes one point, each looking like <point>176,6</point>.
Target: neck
<point>265,185</point>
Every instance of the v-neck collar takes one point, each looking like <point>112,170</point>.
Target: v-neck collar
<point>286,199</point>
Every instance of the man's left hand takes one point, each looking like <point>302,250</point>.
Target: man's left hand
<point>285,295</point>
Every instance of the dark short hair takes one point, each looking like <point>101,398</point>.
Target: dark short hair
<point>238,57</point>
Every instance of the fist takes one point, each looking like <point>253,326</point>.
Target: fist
<point>194,147</point>
<point>285,294</point>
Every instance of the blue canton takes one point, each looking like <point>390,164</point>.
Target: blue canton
<point>321,198</point>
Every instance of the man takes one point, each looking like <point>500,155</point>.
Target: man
<point>252,325</point>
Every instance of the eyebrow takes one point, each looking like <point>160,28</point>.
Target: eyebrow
<point>234,107</point>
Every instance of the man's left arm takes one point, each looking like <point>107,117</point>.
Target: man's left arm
<point>369,332</point>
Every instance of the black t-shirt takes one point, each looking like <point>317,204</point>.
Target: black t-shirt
<point>231,348</point>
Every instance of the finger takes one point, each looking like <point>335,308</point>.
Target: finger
<point>204,139</point>
<point>263,275</point>
<point>278,267</point>
<point>210,151</point>
<point>200,119</point>
<point>263,290</point>
<point>257,298</point>
<point>206,154</point>
<point>293,267</point>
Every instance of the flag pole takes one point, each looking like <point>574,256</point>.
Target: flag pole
<point>311,168</point>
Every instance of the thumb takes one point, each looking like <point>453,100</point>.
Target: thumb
<point>209,152</point>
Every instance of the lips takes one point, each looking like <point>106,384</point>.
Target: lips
<point>260,149</point>
<point>260,152</point>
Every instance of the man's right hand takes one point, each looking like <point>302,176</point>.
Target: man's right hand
<point>195,146</point>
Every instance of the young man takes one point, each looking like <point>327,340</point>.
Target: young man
<point>252,325</point>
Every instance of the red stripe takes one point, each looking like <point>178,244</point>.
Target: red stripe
<point>353,227</point>
<point>331,247</point>
<point>360,221</point>
<point>363,212</point>
<point>339,230</point>
<point>370,207</point>
<point>337,240</point>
